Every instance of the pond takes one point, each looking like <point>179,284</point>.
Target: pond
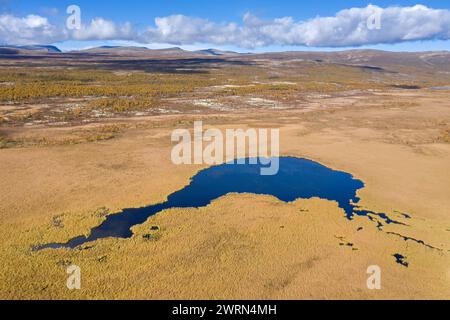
<point>297,179</point>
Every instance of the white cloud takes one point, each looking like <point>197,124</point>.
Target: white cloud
<point>32,28</point>
<point>179,29</point>
<point>346,28</point>
<point>35,29</point>
<point>101,29</point>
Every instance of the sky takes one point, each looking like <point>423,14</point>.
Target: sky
<point>244,26</point>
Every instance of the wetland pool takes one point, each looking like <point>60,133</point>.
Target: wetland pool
<point>297,178</point>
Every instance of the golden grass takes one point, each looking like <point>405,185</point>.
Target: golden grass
<point>446,136</point>
<point>44,83</point>
<point>123,104</point>
<point>240,246</point>
<point>72,137</point>
<point>3,143</point>
<point>244,246</point>
<point>29,84</point>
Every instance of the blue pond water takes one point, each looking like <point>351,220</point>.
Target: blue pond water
<point>297,179</point>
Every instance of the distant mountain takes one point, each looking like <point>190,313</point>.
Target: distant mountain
<point>113,49</point>
<point>135,51</point>
<point>142,51</point>
<point>28,49</point>
<point>371,59</point>
<point>215,52</point>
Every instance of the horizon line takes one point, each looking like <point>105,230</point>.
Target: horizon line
<point>313,49</point>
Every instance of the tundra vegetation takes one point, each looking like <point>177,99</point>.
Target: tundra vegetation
<point>83,136</point>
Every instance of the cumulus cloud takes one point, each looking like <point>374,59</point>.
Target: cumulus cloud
<point>101,29</point>
<point>347,28</point>
<point>32,28</point>
<point>35,29</point>
<point>179,29</point>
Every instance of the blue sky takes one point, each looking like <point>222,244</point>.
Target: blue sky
<point>141,14</point>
